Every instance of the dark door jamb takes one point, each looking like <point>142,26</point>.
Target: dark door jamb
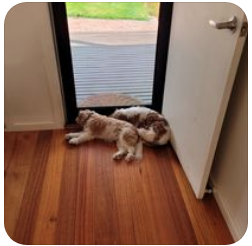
<point>59,19</point>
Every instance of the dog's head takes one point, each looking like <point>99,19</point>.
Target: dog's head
<point>83,116</point>
<point>155,120</point>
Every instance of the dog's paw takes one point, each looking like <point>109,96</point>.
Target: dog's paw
<point>118,156</point>
<point>74,141</point>
<point>129,157</point>
<point>68,136</point>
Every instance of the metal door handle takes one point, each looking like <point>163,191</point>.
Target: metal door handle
<point>231,24</point>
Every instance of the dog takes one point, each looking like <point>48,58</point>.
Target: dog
<point>96,126</point>
<point>152,127</point>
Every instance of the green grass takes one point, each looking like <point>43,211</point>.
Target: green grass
<point>112,10</point>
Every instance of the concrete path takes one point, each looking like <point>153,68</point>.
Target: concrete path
<point>112,32</point>
<point>113,56</point>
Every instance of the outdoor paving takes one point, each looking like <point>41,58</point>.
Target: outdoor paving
<point>115,56</point>
<point>99,25</point>
<point>113,38</point>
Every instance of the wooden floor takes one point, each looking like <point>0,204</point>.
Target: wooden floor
<point>60,194</point>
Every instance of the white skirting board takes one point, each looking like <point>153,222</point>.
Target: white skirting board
<point>33,126</point>
<point>234,226</point>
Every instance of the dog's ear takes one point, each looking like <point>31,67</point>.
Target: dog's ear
<point>153,118</point>
<point>83,116</point>
<point>150,118</point>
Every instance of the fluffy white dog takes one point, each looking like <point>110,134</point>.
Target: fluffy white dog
<point>152,127</point>
<point>96,126</point>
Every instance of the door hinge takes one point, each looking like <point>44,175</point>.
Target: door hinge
<point>209,191</point>
<point>209,188</point>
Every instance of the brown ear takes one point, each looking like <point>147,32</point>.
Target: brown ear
<point>83,117</point>
<point>155,118</point>
<point>150,118</point>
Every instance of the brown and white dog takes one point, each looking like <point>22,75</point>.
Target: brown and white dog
<point>152,127</point>
<point>96,126</point>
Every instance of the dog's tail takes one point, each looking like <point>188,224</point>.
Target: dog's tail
<point>139,150</point>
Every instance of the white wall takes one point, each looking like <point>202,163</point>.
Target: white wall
<point>32,86</point>
<point>230,168</point>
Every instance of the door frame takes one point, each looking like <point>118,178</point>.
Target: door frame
<point>63,49</point>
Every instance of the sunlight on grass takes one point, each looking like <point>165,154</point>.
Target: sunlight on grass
<point>113,10</point>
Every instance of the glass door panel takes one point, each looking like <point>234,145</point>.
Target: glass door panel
<point>113,48</point>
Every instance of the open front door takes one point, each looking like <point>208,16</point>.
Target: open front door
<point>204,54</point>
<point>108,59</point>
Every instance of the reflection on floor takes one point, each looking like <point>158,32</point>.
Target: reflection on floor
<point>55,193</point>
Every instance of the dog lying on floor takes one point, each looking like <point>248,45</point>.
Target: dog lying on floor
<point>152,127</point>
<point>96,126</point>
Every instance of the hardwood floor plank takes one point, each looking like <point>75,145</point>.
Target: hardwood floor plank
<point>205,216</point>
<point>48,208</point>
<point>141,214</point>
<point>9,147</point>
<point>65,226</point>
<point>105,216</point>
<point>84,228</point>
<point>20,159</point>
<point>156,200</point>
<point>179,215</point>
<point>56,193</point>
<point>28,213</point>
<point>123,198</point>
<point>165,202</point>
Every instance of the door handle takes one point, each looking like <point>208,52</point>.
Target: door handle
<point>231,24</point>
